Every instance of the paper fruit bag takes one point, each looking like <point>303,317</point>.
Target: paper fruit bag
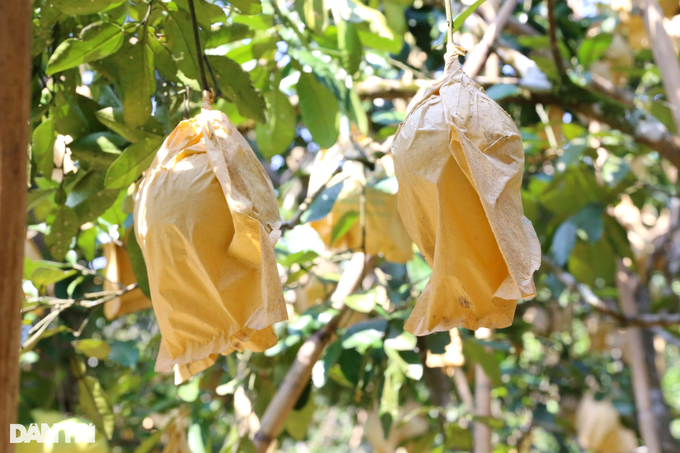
<point>207,219</point>
<point>385,233</point>
<point>118,273</point>
<point>459,159</point>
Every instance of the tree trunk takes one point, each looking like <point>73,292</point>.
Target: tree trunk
<point>15,67</point>
<point>662,417</point>
<point>482,433</point>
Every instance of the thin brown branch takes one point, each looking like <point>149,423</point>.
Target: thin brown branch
<point>475,60</point>
<point>297,218</point>
<point>554,46</point>
<point>590,298</point>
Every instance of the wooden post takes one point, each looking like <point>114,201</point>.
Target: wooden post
<point>15,67</point>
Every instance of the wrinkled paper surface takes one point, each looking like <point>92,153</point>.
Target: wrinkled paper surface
<point>207,220</point>
<point>459,160</point>
<point>119,270</point>
<point>385,232</point>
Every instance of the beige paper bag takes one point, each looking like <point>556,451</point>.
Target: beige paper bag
<point>459,159</point>
<point>207,219</point>
<point>119,270</point>
<point>385,232</point>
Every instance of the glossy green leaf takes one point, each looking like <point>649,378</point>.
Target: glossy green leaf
<point>80,7</point>
<point>113,119</point>
<point>343,225</point>
<point>89,198</point>
<point>460,18</point>
<point>180,40</point>
<point>43,139</point>
<point>275,136</point>
<point>247,6</point>
<point>315,15</point>
<point>93,347</point>
<point>563,242</point>
<point>592,49</point>
<point>319,109</point>
<point>138,264</point>
<point>298,421</point>
<point>95,404</point>
<point>237,87</point>
<point>225,33</point>
<point>138,82</point>
<point>349,45</point>
<point>96,41</point>
<point>43,273</point>
<point>134,160</point>
<point>64,225</point>
<point>97,151</point>
<point>323,204</point>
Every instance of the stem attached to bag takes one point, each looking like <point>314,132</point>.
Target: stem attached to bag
<point>449,19</point>
<point>199,52</point>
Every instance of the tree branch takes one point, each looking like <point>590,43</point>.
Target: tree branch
<point>475,60</point>
<point>589,297</point>
<point>554,46</point>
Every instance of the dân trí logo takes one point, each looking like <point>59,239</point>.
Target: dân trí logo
<point>49,434</point>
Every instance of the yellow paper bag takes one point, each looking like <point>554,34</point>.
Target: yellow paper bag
<point>118,273</point>
<point>385,233</point>
<point>459,159</point>
<point>207,219</point>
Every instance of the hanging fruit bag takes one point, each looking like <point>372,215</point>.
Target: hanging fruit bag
<point>459,159</point>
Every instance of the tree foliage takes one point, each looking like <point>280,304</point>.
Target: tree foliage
<point>112,78</point>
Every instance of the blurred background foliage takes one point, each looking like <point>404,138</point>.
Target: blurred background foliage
<point>111,78</point>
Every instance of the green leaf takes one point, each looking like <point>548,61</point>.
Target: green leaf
<point>275,136</point>
<point>592,49</point>
<point>363,303</point>
<point>247,6</point>
<point>43,273</point>
<point>563,242</point>
<point>80,7</point>
<point>343,225</point>
<point>43,139</point>
<point>95,404</point>
<point>349,45</point>
<point>180,40</point>
<point>97,151</point>
<point>460,18</point>
<point>237,87</point>
<point>356,111</point>
<point>64,225</point>
<point>458,439</point>
<point>319,109</point>
<point>92,347</point>
<point>134,160</point>
<point>89,198</point>
<point>593,264</point>
<point>298,421</point>
<point>323,204</point>
<point>149,443</point>
<point>163,60</point>
<point>386,118</point>
<point>315,15</point>
<point>226,33</point>
<point>113,119</point>
<point>87,243</point>
<point>138,264</point>
<point>96,41</point>
<point>125,353</point>
<point>476,352</point>
<point>502,90</point>
<point>136,76</point>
